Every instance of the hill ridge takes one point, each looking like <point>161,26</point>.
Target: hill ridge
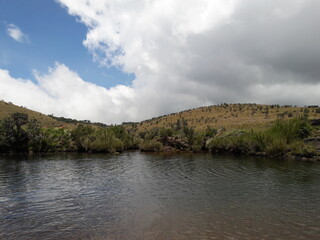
<point>232,116</point>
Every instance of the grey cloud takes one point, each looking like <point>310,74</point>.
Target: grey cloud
<point>256,47</point>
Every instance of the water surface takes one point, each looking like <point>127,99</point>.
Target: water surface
<point>158,196</point>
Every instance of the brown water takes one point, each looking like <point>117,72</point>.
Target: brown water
<point>157,196</point>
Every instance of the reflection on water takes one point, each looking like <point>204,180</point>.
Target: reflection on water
<point>158,196</point>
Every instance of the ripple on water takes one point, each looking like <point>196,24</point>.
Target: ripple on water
<point>158,196</point>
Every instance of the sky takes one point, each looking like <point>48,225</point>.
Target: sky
<point>116,61</point>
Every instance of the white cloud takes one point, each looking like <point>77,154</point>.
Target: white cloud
<point>195,52</point>
<point>187,53</point>
<point>15,32</point>
<point>63,93</point>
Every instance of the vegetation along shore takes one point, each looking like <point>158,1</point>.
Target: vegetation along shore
<point>268,130</point>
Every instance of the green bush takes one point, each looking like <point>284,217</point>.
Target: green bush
<point>56,140</point>
<point>277,140</point>
<point>13,137</point>
<point>103,140</point>
<point>151,146</point>
<point>80,136</point>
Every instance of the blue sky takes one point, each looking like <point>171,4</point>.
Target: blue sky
<point>53,36</point>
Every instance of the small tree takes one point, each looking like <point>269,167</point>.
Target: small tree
<point>80,135</point>
<point>13,136</point>
<point>35,135</point>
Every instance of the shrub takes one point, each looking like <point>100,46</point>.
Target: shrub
<point>150,146</point>
<point>277,140</point>
<point>56,140</point>
<point>80,136</point>
<point>104,140</point>
<point>13,137</point>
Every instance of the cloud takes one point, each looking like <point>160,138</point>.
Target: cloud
<point>205,52</point>
<point>63,93</point>
<point>188,53</point>
<point>15,33</point>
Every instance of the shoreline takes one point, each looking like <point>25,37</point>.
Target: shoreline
<point>313,158</point>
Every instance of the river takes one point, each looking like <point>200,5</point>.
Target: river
<point>158,196</point>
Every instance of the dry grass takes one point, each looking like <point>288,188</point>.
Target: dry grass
<point>6,109</point>
<point>230,116</point>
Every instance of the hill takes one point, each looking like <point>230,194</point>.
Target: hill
<point>6,109</point>
<point>229,116</point>
<point>240,128</point>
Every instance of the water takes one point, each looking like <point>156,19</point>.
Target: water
<point>158,196</point>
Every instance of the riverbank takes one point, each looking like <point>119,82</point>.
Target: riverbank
<point>296,138</point>
<point>293,138</point>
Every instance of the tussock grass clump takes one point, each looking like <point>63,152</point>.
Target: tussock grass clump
<point>105,141</point>
<point>282,137</point>
<point>301,149</point>
<point>108,139</point>
<point>150,146</point>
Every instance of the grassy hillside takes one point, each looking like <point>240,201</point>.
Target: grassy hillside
<point>6,109</point>
<point>230,116</point>
<point>241,128</point>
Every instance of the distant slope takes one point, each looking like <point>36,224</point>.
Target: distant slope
<point>230,116</point>
<point>6,109</point>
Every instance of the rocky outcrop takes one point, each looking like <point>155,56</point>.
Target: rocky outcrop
<point>315,122</point>
<point>174,142</point>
